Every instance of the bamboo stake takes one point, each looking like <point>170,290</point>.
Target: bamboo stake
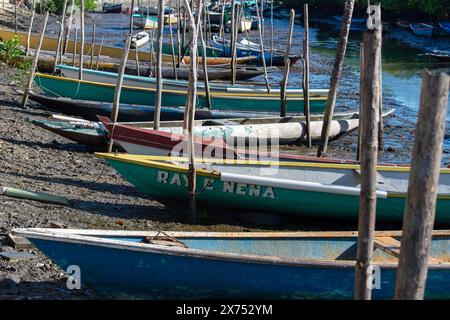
<point>306,74</point>
<point>80,74</point>
<point>233,39</point>
<point>99,54</point>
<point>93,45</point>
<point>370,100</point>
<point>287,63</point>
<point>159,66</point>
<point>69,27</point>
<point>118,88</point>
<point>33,13</point>
<point>420,209</point>
<point>205,70</point>
<point>361,71</point>
<point>261,46</point>
<point>173,49</point>
<point>335,76</point>
<point>61,32</point>
<point>74,47</point>
<point>35,62</point>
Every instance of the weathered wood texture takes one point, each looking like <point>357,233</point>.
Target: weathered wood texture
<point>370,101</point>
<point>422,189</point>
<point>159,65</point>
<point>306,73</point>
<point>287,65</point>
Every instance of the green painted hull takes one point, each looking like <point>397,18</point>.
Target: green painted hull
<point>284,201</point>
<point>85,90</point>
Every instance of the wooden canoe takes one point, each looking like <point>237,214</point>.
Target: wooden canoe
<point>50,44</point>
<point>234,265</point>
<point>300,189</point>
<point>241,101</point>
<point>90,109</point>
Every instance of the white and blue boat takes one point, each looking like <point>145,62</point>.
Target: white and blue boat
<point>422,29</point>
<point>212,265</point>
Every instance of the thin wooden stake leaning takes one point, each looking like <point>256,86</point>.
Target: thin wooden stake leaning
<point>335,76</point>
<point>370,101</point>
<point>159,82</point>
<point>35,62</point>
<point>233,38</point>
<point>118,88</point>
<point>205,70</point>
<point>287,63</point>
<point>261,45</point>
<point>420,210</point>
<point>92,46</point>
<point>33,13</point>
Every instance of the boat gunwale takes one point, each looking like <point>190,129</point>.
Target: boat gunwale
<point>69,237</point>
<point>227,95</point>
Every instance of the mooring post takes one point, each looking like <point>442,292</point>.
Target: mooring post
<point>420,208</point>
<point>335,76</point>
<point>233,39</point>
<point>191,101</point>
<point>178,35</point>
<point>75,39</point>
<point>118,89</point>
<point>159,81</point>
<point>69,27</point>
<point>370,101</point>
<point>361,71</point>
<point>35,62</point>
<point>15,16</point>
<point>30,28</point>
<point>306,74</point>
<point>92,46</point>
<point>80,74</point>
<point>261,44</point>
<point>287,63</point>
<point>174,69</point>
<point>205,69</point>
<point>99,52</point>
<point>222,22</point>
<point>61,32</point>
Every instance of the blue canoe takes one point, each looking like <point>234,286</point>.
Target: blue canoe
<point>196,265</point>
<point>422,29</point>
<point>276,58</point>
<point>445,27</point>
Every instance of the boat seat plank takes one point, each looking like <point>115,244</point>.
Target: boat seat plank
<point>220,122</point>
<point>392,247</point>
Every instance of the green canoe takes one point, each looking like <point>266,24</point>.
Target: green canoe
<point>314,190</point>
<point>244,101</point>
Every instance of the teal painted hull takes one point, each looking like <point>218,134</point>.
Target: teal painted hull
<point>69,88</point>
<point>274,200</point>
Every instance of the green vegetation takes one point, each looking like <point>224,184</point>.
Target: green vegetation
<point>437,8</point>
<point>11,54</point>
<point>56,6</point>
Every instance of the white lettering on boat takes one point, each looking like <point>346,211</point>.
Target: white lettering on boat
<point>211,185</point>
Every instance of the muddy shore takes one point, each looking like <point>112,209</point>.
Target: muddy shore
<point>34,159</point>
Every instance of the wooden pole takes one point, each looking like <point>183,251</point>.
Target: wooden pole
<point>80,74</point>
<point>261,45</point>
<point>99,54</point>
<point>361,71</point>
<point>178,33</point>
<point>93,46</point>
<point>118,88</point>
<point>380,123</point>
<point>191,101</point>
<point>131,18</point>
<point>173,49</point>
<point>306,74</point>
<point>159,66</point>
<point>233,39</point>
<point>74,47</point>
<point>35,62</point>
<point>370,101</point>
<point>15,16</point>
<point>61,32</point>
<point>335,76</point>
<point>420,208</point>
<point>287,63</point>
<point>33,13</point>
<point>222,22</point>
<point>236,30</point>
<point>69,27</point>
<point>205,70</point>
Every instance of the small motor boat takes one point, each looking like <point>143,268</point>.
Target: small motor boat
<point>139,39</point>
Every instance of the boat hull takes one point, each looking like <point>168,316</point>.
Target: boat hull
<point>143,271</point>
<point>155,180</point>
<point>93,91</point>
